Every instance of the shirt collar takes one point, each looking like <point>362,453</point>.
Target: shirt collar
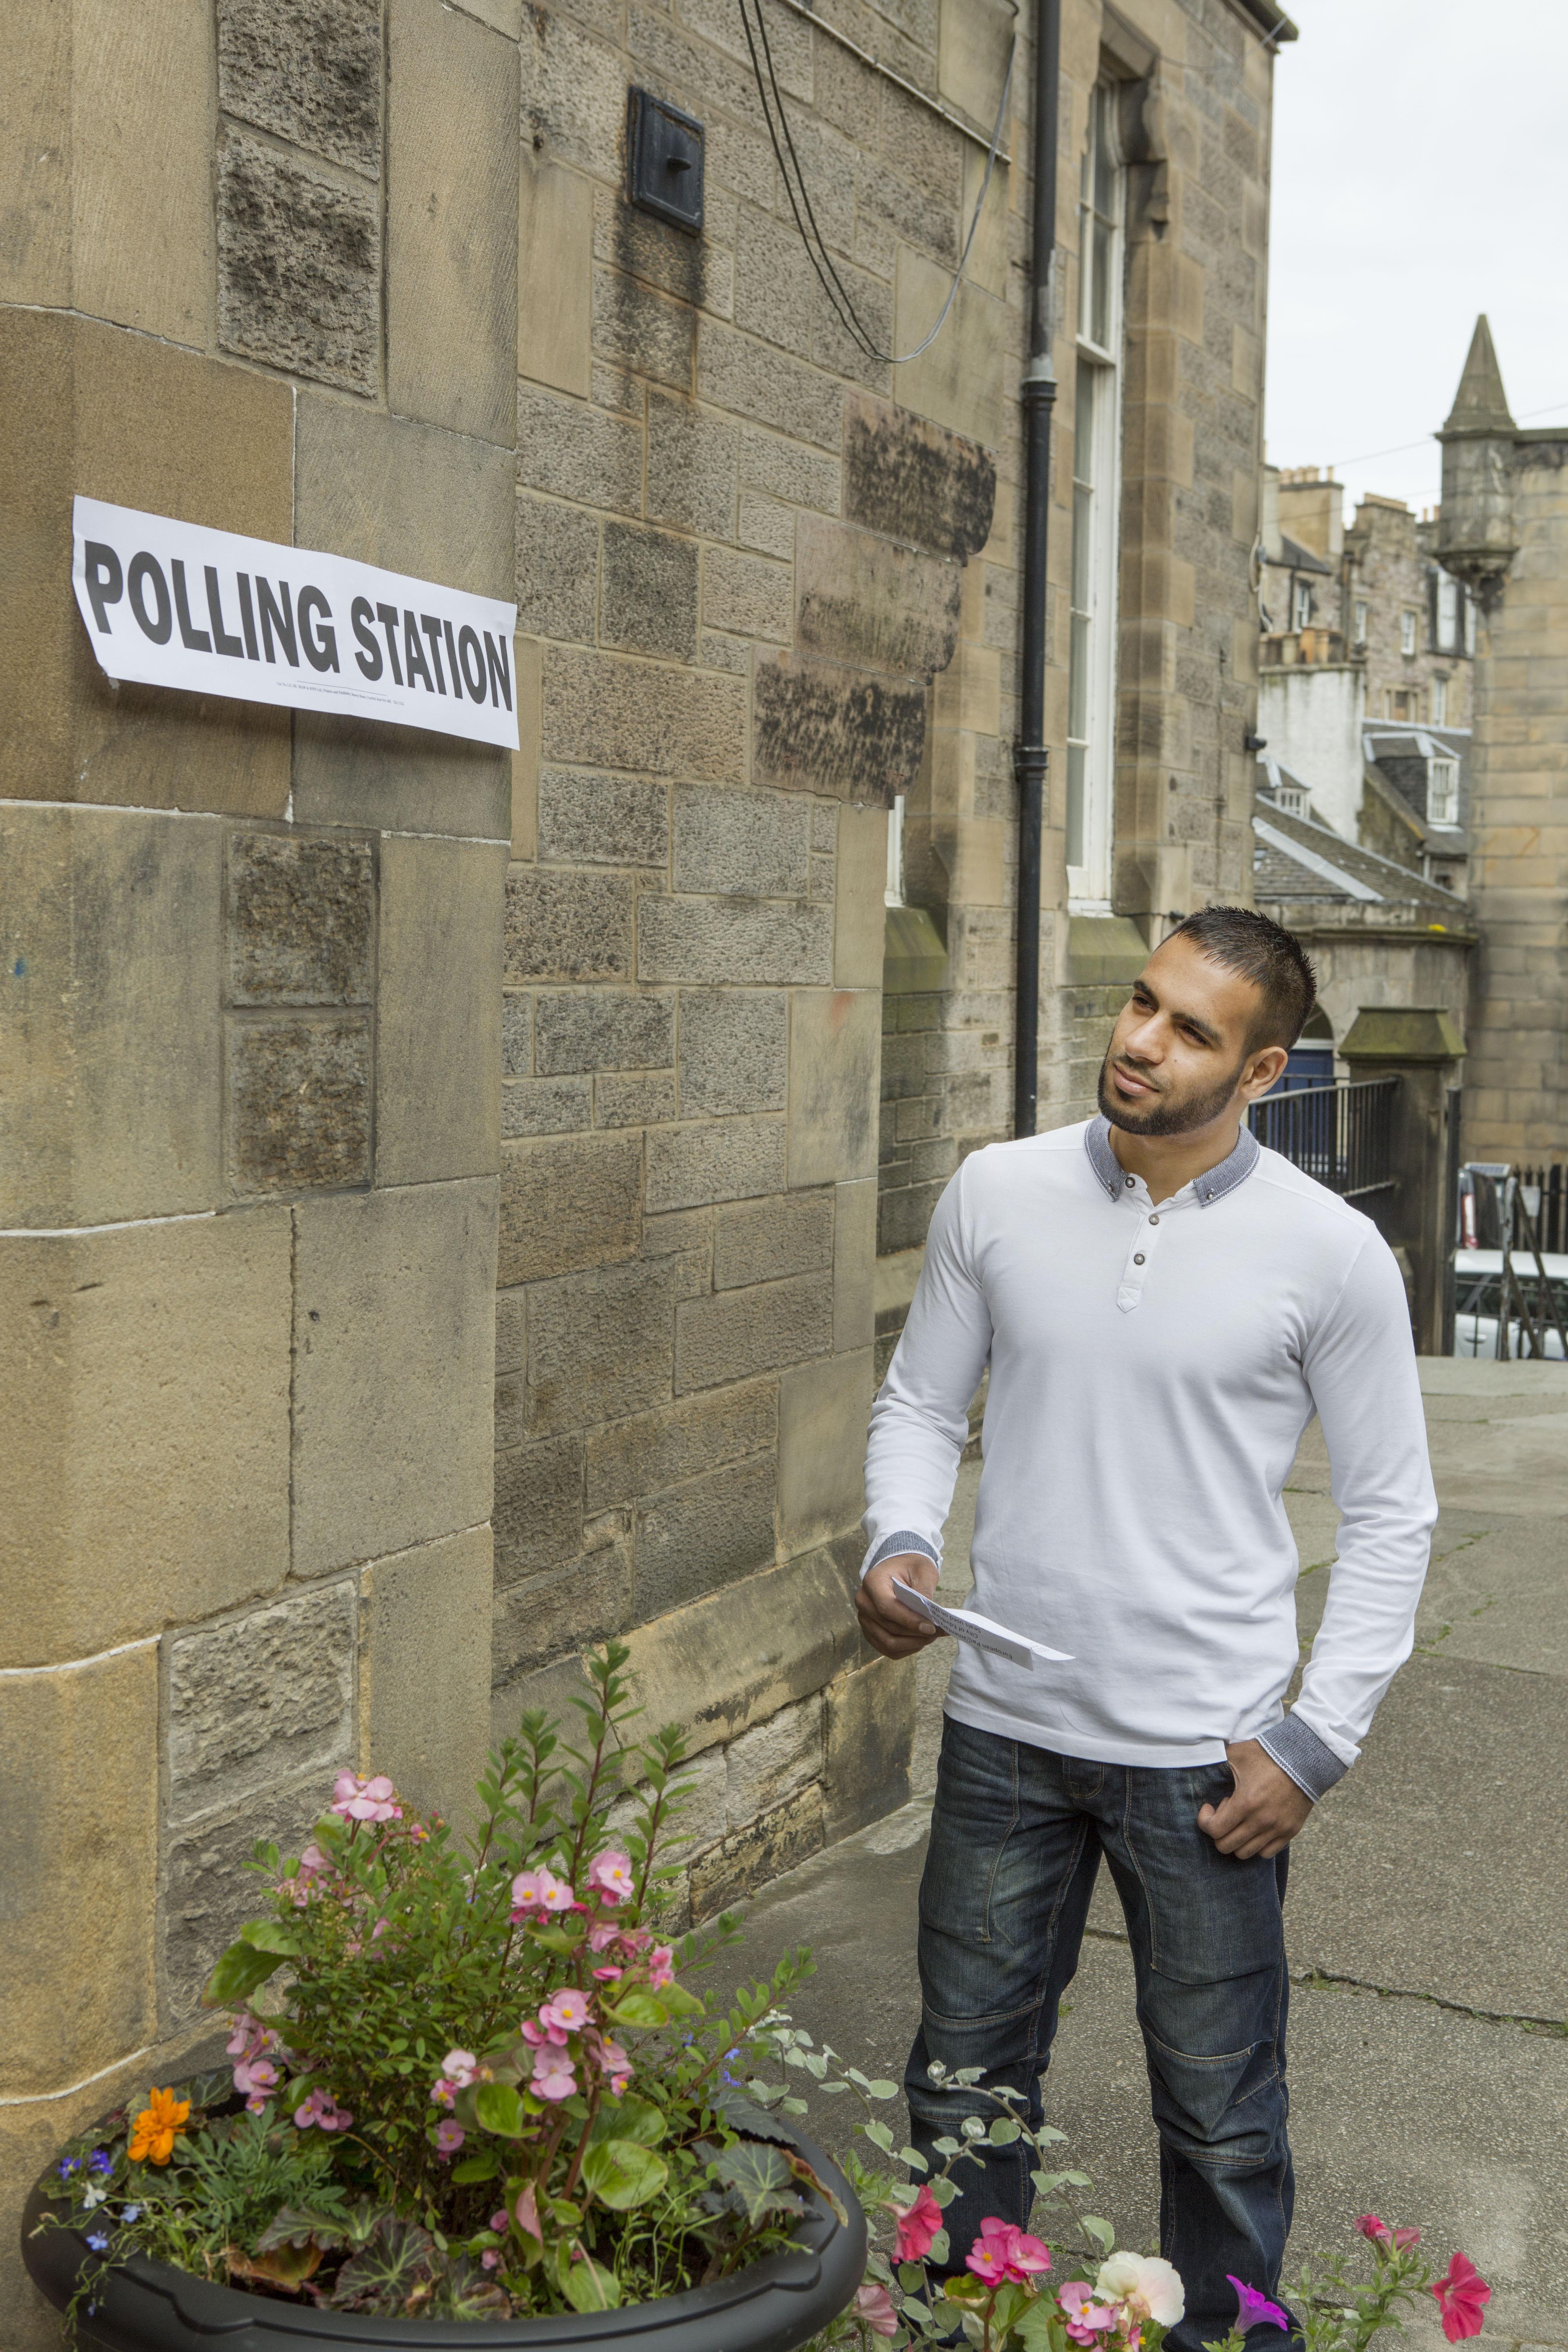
<point>1212,1185</point>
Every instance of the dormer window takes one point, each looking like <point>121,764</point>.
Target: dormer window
<point>1302,608</point>
<point>1442,792</point>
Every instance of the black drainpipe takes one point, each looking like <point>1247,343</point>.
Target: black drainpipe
<point>1031,758</point>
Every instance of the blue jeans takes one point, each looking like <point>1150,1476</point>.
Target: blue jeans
<point>1016,1839</point>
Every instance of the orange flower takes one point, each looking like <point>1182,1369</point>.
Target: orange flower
<point>152,2131</point>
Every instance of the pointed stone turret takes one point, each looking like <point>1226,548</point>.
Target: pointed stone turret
<point>1476,538</point>
<point>1480,404</point>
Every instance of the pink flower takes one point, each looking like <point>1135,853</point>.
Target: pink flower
<point>1254,2310</point>
<point>1006,2253</point>
<point>616,2065</point>
<point>359,1799</point>
<point>607,1976</point>
<point>489,2259</point>
<point>450,2137</point>
<point>918,2225</point>
<point>874,2305</point>
<point>1462,2297</point>
<point>564,2013</point>
<point>532,2033</point>
<point>527,2211</point>
<point>1085,2318</point>
<point>460,2067</point>
<point>501,2222</point>
<point>610,1875</point>
<point>603,1934</point>
<point>660,1967</point>
<point>540,1890</point>
<point>322,2109</point>
<point>553,2077</point>
<point>443,2092</point>
<point>255,2079</point>
<point>1380,2235</point>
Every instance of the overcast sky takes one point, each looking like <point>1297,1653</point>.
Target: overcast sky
<point>1418,178</point>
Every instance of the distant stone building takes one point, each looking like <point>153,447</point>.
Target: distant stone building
<point>1503,530</point>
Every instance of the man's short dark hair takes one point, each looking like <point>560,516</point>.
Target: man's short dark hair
<point>1264,952</point>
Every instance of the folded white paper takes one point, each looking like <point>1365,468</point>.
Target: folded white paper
<point>968,1625</point>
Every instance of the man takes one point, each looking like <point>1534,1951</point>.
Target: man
<point>1163,1305</point>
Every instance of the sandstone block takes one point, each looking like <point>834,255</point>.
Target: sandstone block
<point>602,710</point>
<point>854,1265</point>
<point>697,1538</point>
<point>958,381</point>
<point>774,279</point>
<point>784,470</point>
<point>689,1231</point>
<point>308,71</point>
<point>752,380</point>
<point>823,1411</point>
<point>650,601</point>
<point>752,844</point>
<point>836,1037</point>
<point>699,271</point>
<point>451,220</point>
<point>736,1657</point>
<point>635,327</point>
<point>774,1844</point>
<point>557,569</point>
<point>568,1202</point>
<point>636,1102</point>
<point>144,1387</point>
<point>792,1234</point>
<point>511,1331</point>
<point>600,1345</point>
<point>741,1333</point>
<point>438,969</point>
<point>691,466</point>
<point>209,1891</point>
<point>911,479</point>
<point>870,1725</point>
<point>301,920</point>
<point>586,819</point>
<point>110,1029</point>
<point>510,1403</point>
<point>860,923</point>
<point>652,1451</point>
<point>298,267</point>
<point>546,1106</point>
<point>393,1365</point>
<point>716,1159</point>
<point>866,601</point>
<point>81,1990</point>
<point>409,495</point>
<point>554,275</point>
<point>538,1506</point>
<point>298,1104</point>
<point>425,1670</point>
<point>360,772</point>
<point>567,926</point>
<point>747,594</point>
<point>131,419</point>
<point>529,660</point>
<point>716,939</point>
<point>567,1610</point>
<point>576,452</point>
<point>260,1699</point>
<point>605,1030</point>
<point>574,91</point>
<point>516,1033</point>
<point>822,727</point>
<point>765,524</point>
<point>773,1761</point>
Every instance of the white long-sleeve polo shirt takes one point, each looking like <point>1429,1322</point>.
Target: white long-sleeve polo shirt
<point>1152,1370</point>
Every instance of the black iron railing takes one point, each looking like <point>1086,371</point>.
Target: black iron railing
<point>1342,1134</point>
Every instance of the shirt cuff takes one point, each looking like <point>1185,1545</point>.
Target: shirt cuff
<point>901,1541</point>
<point>1297,1750</point>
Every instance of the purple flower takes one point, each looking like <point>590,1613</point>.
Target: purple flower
<point>68,2167</point>
<point>97,2242</point>
<point>129,2214</point>
<point>1254,2310</point>
<point>100,2161</point>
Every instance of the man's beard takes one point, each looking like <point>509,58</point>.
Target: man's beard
<point>1165,1116</point>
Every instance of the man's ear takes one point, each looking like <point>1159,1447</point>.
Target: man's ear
<point>1264,1069</point>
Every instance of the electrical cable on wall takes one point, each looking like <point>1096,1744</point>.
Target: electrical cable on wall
<point>820,259</point>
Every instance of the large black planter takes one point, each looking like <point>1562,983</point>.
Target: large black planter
<point>772,2306</point>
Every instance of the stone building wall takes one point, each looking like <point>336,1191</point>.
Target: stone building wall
<point>258,272</point>
<point>1389,566</point>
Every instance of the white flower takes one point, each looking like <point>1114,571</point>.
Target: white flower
<point>1147,2284</point>
<point>93,2194</point>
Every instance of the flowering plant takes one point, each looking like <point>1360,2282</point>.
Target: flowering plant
<point>485,2088</point>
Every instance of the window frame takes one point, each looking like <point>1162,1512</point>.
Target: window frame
<point>1444,811</point>
<point>1300,603</point>
<point>1409,632</point>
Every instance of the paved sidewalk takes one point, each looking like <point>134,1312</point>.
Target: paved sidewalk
<point>1428,1909</point>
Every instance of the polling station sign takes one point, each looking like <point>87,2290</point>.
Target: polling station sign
<point>173,604</point>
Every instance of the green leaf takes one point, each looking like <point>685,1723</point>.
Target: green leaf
<point>759,2181</point>
<point>679,2002</point>
<point>637,2009</point>
<point>589,2288</point>
<point>937,2251</point>
<point>555,1939</point>
<point>239,1972</point>
<point>636,2119</point>
<point>1004,2132</point>
<point>271,1936</point>
<point>947,2146</point>
<point>879,2136</point>
<point>623,2173</point>
<point>477,2167</point>
<point>499,2109</point>
<point>911,2277</point>
<point>945,2191</point>
<point>913,2158</point>
<point>1100,2232</point>
<point>882,2090</point>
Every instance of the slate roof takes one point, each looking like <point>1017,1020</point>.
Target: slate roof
<point>1295,857</point>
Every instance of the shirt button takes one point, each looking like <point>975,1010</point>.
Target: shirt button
<point>1153,1221</point>
<point>1138,1257</point>
<point>1129,1182</point>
